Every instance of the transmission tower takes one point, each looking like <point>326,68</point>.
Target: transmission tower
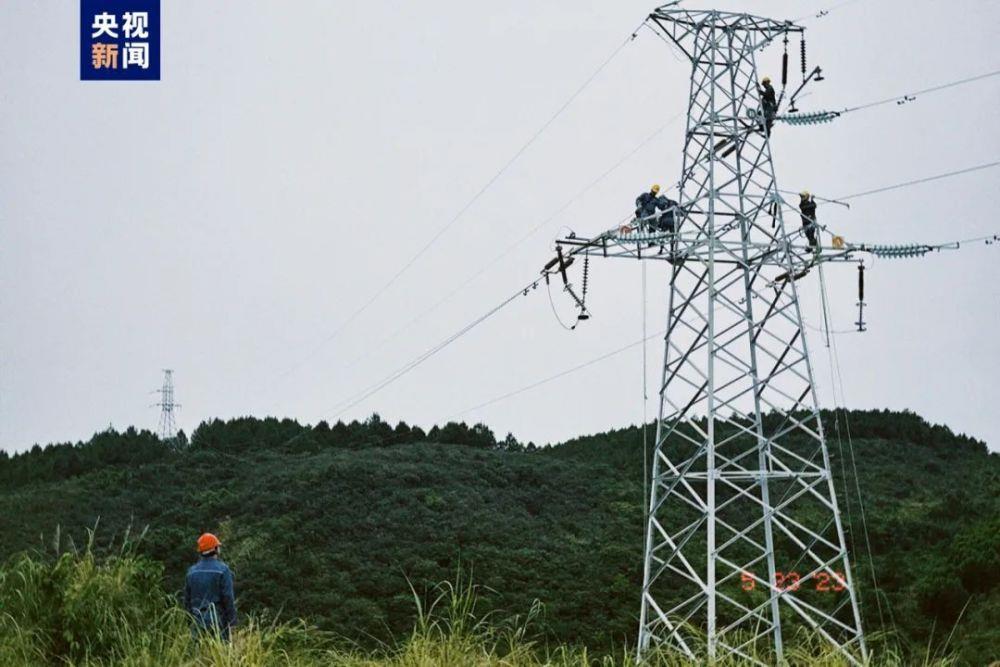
<point>744,542</point>
<point>168,427</point>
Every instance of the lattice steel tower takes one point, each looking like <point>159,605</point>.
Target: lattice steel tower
<point>744,542</point>
<point>168,427</point>
<point>742,495</point>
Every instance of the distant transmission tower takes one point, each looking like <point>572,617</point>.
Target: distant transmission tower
<point>744,542</point>
<point>168,427</point>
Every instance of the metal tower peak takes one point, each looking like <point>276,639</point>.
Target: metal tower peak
<point>682,26</point>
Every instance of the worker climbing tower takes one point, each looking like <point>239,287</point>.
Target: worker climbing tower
<point>744,539</point>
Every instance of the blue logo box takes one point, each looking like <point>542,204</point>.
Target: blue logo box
<point>119,40</point>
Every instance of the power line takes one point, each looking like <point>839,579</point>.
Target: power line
<point>530,233</point>
<point>904,96</point>
<point>835,379</point>
<point>897,186</point>
<point>826,116</point>
<point>443,230</point>
<point>350,402</point>
<point>905,184</point>
<point>645,399</point>
<point>558,375</point>
<point>823,12</point>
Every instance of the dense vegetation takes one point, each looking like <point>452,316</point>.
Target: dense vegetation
<point>333,523</point>
<point>75,608</point>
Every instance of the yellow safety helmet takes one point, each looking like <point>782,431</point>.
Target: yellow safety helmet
<point>838,242</point>
<point>804,194</point>
<point>766,79</point>
<point>655,188</point>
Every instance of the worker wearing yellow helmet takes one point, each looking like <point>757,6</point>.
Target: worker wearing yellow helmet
<point>654,211</point>
<point>768,103</point>
<point>807,211</point>
<point>645,204</point>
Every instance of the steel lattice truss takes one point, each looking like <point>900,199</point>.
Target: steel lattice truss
<point>741,494</point>
<point>168,426</point>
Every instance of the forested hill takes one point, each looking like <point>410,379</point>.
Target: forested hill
<point>328,522</point>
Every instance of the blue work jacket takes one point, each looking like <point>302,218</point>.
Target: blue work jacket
<point>209,596</point>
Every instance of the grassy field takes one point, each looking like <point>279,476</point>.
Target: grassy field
<point>77,609</point>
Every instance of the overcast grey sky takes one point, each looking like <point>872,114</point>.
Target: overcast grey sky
<point>226,220</point>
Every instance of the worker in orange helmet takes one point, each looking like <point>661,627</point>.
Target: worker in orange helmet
<point>208,590</point>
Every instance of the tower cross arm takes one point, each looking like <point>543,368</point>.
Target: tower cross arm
<point>681,26</point>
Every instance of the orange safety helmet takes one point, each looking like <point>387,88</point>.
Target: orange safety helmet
<point>207,542</point>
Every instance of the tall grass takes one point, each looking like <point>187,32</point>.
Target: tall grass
<point>75,609</point>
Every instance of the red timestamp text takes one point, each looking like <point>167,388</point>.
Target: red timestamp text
<point>792,581</point>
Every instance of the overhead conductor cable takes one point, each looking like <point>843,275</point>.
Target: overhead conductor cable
<point>441,232</point>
